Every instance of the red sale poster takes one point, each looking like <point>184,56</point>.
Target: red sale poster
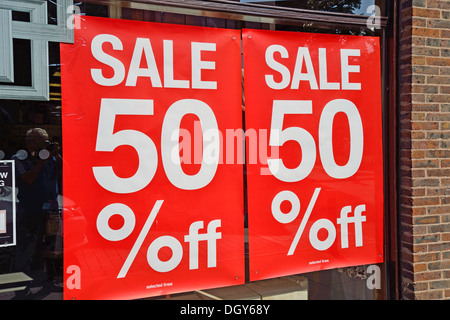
<point>151,206</point>
<point>315,181</point>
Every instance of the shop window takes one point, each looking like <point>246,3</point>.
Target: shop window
<point>42,272</point>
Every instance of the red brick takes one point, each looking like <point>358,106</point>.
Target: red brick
<point>424,276</point>
<point>426,201</point>
<point>444,62</point>
<point>424,133</point>
<point>427,13</point>
<point>427,32</point>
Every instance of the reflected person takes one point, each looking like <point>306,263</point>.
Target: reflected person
<point>36,175</point>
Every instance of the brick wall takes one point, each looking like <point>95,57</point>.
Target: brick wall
<point>424,164</point>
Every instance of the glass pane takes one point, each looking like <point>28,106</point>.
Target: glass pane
<point>358,7</point>
<point>31,135</point>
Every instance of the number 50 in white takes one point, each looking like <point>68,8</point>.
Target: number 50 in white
<point>107,141</point>
<point>278,136</point>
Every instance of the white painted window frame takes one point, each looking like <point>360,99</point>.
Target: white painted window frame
<point>39,33</point>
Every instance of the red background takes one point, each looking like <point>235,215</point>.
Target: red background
<point>269,240</point>
<point>100,260</point>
